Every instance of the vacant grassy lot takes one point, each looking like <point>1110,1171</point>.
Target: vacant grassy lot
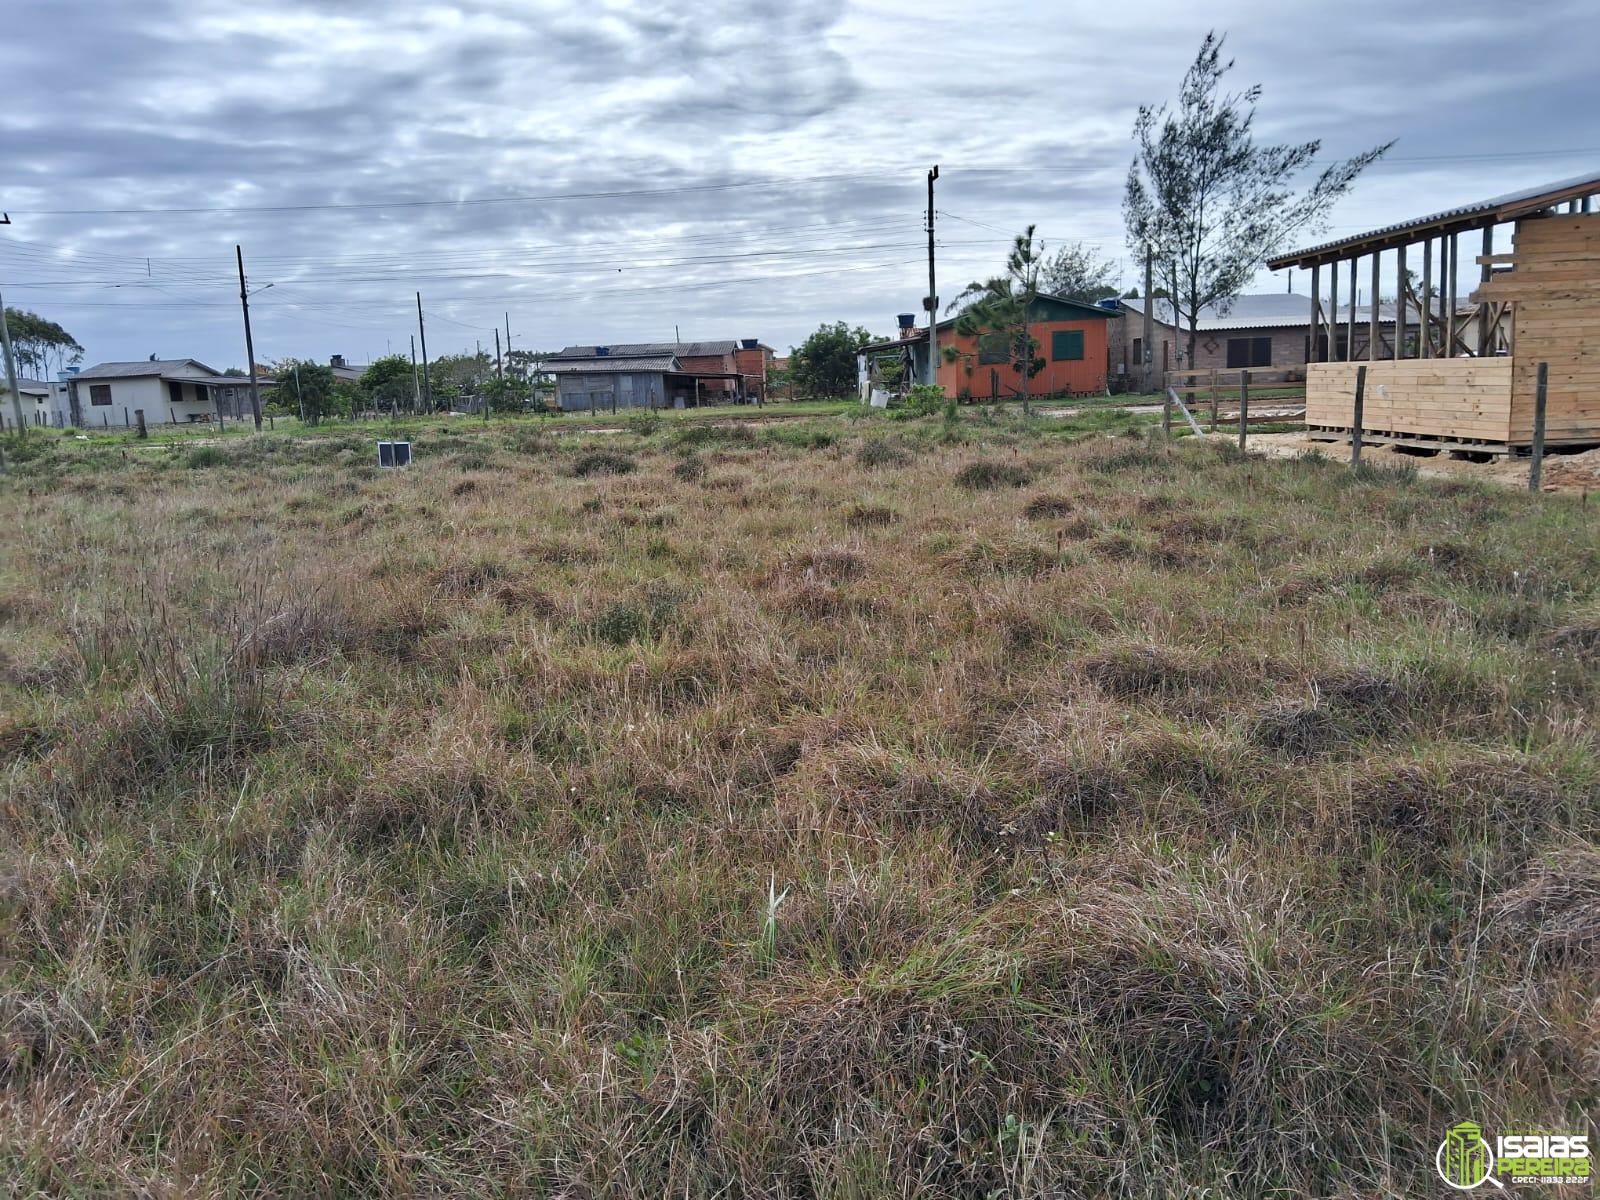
<point>833,810</point>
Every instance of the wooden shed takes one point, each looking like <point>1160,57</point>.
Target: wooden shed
<point>1468,380</point>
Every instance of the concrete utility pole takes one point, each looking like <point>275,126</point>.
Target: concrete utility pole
<point>422,332</point>
<point>11,371</point>
<point>932,302</point>
<point>416,387</point>
<point>249,342</point>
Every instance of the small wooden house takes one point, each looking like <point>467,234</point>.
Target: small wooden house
<point>1072,339</point>
<point>1469,381</point>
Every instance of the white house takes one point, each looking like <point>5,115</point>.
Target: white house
<point>168,391</point>
<point>43,403</point>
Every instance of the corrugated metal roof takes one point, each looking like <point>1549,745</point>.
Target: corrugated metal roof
<point>1501,208</point>
<point>139,370</point>
<point>1272,310</point>
<point>612,365</point>
<point>647,349</point>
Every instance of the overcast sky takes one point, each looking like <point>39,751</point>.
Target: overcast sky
<point>612,172</point>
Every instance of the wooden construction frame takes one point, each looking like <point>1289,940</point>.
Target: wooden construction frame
<point>1467,380</point>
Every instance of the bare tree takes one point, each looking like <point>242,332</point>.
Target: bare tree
<point>1207,203</point>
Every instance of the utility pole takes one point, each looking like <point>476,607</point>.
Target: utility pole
<point>11,372</point>
<point>499,368</point>
<point>422,332</point>
<point>249,342</point>
<point>416,388</point>
<point>1149,316</point>
<point>932,302</point>
<point>299,399</point>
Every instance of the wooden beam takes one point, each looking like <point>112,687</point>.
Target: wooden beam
<point>1373,340</point>
<point>1486,272</point>
<point>1400,303</point>
<point>1350,328</point>
<point>1454,242</point>
<point>1425,349</point>
<point>1312,350</point>
<point>1333,313</point>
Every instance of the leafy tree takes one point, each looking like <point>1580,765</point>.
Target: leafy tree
<point>1001,308</point>
<point>1207,202</point>
<point>458,377</point>
<point>388,383</point>
<point>41,347</point>
<point>308,386</point>
<point>1076,273</point>
<point>825,363</point>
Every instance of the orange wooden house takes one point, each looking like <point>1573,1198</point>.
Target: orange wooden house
<point>1072,338</point>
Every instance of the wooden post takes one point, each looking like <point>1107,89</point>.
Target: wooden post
<point>1374,330</point>
<point>1400,304</point>
<point>1213,400</point>
<point>1244,405</point>
<point>1485,337</point>
<point>1356,417</point>
<point>1333,312</point>
<point>1316,314</point>
<point>1350,326</point>
<point>138,415</point>
<point>1425,322</point>
<point>1450,304</point>
<point>1536,467</point>
<point>1166,416</point>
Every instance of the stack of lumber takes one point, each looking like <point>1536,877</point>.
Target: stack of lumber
<point>1555,284</point>
<point>1461,399</point>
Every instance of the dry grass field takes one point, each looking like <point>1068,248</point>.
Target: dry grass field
<point>831,810</point>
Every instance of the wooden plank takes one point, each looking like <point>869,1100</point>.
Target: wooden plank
<point>1426,308</point>
<point>1350,330</point>
<point>1399,304</point>
<point>1374,345</point>
<point>1333,312</point>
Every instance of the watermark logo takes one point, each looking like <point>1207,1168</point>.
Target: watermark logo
<point>1465,1160</point>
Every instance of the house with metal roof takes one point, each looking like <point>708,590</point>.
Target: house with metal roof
<point>1263,330</point>
<point>659,374</point>
<point>1472,376</point>
<point>43,403</point>
<point>173,391</point>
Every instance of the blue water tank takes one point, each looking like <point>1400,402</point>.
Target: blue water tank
<point>1111,303</point>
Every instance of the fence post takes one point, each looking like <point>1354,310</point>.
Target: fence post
<point>1355,431</point>
<point>1166,417</point>
<point>1244,404</point>
<point>138,415</point>
<point>1213,400</point>
<point>1536,468</point>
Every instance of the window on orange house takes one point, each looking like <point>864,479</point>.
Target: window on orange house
<point>1066,345</point>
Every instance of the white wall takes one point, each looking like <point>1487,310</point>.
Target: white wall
<point>127,396</point>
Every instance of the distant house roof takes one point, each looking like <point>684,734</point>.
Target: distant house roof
<point>1047,307</point>
<point>1262,311</point>
<point>1272,310</point>
<point>647,350</point>
<point>612,365</point>
<point>28,387</point>
<point>1452,220</point>
<point>180,367</point>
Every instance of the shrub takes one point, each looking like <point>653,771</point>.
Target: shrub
<point>880,452</point>
<point>985,476</point>
<point>205,456</point>
<point>603,462</point>
<point>689,469</point>
<point>866,516</point>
